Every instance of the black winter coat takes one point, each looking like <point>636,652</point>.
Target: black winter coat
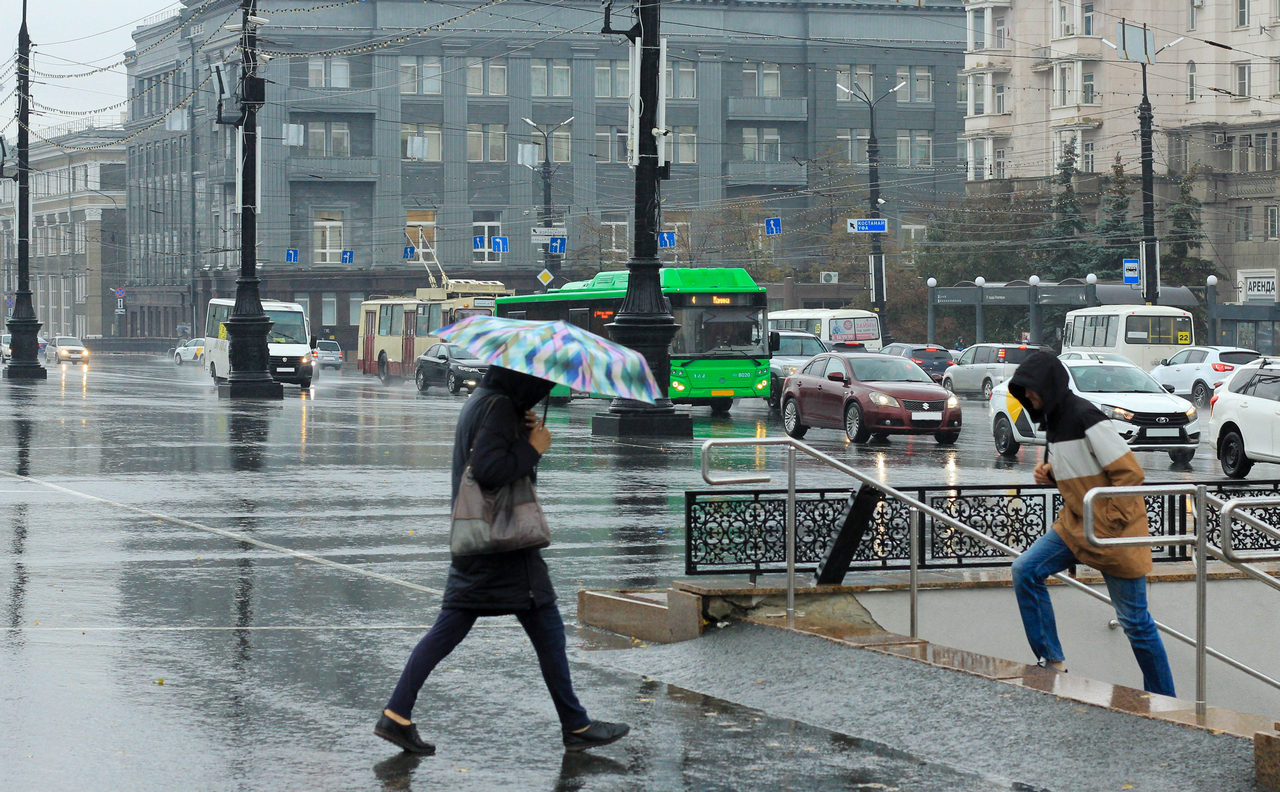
<point>491,425</point>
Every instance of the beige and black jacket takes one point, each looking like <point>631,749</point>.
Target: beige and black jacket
<point>1085,452</point>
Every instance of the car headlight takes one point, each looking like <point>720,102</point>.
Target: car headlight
<point>305,359</point>
<point>953,402</point>
<point>883,399</point>
<point>1191,414</point>
<point>792,370</point>
<point>1116,413</point>
<point>63,352</point>
<point>84,353</point>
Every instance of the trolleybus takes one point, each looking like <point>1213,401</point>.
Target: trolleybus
<point>720,352</point>
<point>394,331</point>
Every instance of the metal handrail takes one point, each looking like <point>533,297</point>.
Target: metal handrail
<point>919,509</point>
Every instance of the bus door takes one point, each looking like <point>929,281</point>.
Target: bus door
<point>367,363</point>
<point>408,360</point>
<point>580,317</point>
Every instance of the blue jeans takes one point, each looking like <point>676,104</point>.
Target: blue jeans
<point>545,629</point>
<point>1050,555</point>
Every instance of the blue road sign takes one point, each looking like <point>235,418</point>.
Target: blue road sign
<point>290,257</point>
<point>8,301</point>
<point>1132,272</point>
<point>499,244</point>
<point>772,225</point>
<point>666,239</point>
<point>409,252</point>
<point>348,257</point>
<point>867,225</point>
<point>477,242</point>
<point>557,244</point>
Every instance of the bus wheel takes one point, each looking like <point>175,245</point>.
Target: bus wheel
<point>213,372</point>
<point>721,406</point>
<point>384,369</point>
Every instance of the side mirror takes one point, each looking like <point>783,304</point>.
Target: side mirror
<point>775,341</point>
<point>836,376</point>
<point>1168,388</point>
<point>1164,361</point>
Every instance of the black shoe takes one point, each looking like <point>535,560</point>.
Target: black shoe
<point>404,736</point>
<point>597,734</point>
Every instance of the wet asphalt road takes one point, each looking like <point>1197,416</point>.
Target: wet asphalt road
<point>213,596</point>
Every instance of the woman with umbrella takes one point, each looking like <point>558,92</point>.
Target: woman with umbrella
<point>502,439</point>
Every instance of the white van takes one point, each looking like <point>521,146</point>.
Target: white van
<point>288,341</point>
<point>1145,334</point>
<point>833,325</point>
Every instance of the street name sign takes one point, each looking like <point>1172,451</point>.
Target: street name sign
<point>867,225</point>
<point>540,233</point>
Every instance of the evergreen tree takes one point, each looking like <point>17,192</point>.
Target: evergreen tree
<point>1062,250</point>
<point>1119,237</point>
<point>1179,265</point>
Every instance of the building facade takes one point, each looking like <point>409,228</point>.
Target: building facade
<point>78,240</point>
<point>392,132</point>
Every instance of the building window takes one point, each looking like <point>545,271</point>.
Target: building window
<point>997,97</point>
<point>915,148</point>
<point>420,232</point>
<point>328,73</point>
<point>613,79</point>
<point>1244,223</point>
<point>328,139</point>
<point>1065,19</point>
<point>1191,81</point>
<point>682,81</point>
<point>486,77</point>
<point>686,145</point>
<point>859,77</point>
<point>853,144</point>
<point>761,79</point>
<point>329,308</point>
<point>978,90</point>
<point>1000,33</point>
<point>421,75</point>
<point>1064,84</point>
<point>550,76</point>
<point>486,142</point>
<point>761,144</point>
<point>962,94</point>
<point>998,163</point>
<point>354,299</point>
<point>1193,8</point>
<point>562,144</point>
<point>487,225</point>
<point>422,142</point>
<point>1086,156</point>
<point>1086,88</point>
<point>919,84</point>
<point>604,144</point>
<point>1273,222</point>
<point>615,237</point>
<point>326,225</point>
<point>1086,19</point>
<point>1242,13</point>
<point>1241,71</point>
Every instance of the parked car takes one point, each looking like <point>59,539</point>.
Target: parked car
<point>5,351</point>
<point>190,352</point>
<point>65,349</point>
<point>983,366</point>
<point>328,354</point>
<point>1146,416</point>
<point>935,360</point>
<point>449,365</point>
<point>1196,371</point>
<point>795,348</point>
<point>869,395</point>
<point>1246,417</point>
<point>1112,357</point>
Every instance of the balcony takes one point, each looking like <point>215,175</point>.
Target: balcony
<point>768,108</point>
<point>333,168</point>
<point>746,172</point>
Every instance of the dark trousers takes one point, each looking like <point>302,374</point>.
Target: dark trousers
<point>545,629</point>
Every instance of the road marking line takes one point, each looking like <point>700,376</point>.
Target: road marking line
<point>315,559</point>
<point>266,628</point>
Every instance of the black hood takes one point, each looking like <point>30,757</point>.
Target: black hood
<point>1044,374</point>
<point>525,390</point>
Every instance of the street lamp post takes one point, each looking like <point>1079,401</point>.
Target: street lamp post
<point>550,261</point>
<point>878,287</point>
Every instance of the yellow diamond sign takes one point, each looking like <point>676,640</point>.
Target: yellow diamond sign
<point>545,277</point>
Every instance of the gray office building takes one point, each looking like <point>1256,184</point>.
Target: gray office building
<point>393,129</point>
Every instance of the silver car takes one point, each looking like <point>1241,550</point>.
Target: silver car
<point>65,349</point>
<point>795,348</point>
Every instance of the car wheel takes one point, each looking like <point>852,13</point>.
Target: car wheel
<point>453,384</point>
<point>177,359</point>
<point>1182,456</point>
<point>854,427</point>
<point>775,393</point>
<point>420,379</point>
<point>987,388</point>
<point>384,369</point>
<point>1231,454</point>
<point>721,406</point>
<point>1006,444</point>
<point>791,420</point>
<point>304,384</point>
<point>946,438</point>
<point>1200,395</point>
<point>946,383</point>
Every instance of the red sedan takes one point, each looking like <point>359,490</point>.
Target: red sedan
<point>869,395</point>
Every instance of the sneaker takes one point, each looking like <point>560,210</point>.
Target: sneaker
<point>404,736</point>
<point>597,734</point>
<point>1045,664</point>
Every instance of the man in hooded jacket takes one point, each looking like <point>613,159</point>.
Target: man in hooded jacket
<point>502,439</point>
<point>1084,452</point>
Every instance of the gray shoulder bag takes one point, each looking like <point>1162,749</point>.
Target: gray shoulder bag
<point>495,521</point>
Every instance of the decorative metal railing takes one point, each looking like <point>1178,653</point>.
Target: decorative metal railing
<point>743,531</point>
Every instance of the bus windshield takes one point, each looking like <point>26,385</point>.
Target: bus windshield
<point>463,313</point>
<point>286,328</point>
<point>721,331</point>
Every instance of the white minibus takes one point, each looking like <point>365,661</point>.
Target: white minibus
<point>1145,334</point>
<point>288,341</point>
<point>833,325</point>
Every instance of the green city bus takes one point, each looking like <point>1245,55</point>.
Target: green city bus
<point>720,352</point>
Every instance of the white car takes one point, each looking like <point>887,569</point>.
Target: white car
<point>1148,417</point>
<point>983,366</point>
<point>1196,371</point>
<point>190,352</point>
<point>1246,417</point>
<point>65,349</point>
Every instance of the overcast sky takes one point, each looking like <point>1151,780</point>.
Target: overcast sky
<point>64,35</point>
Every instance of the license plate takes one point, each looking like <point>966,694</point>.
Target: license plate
<point>721,393</point>
<point>284,369</point>
<point>926,416</point>
<point>1166,432</point>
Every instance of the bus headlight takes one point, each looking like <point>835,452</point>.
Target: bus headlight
<point>762,384</point>
<point>678,385</point>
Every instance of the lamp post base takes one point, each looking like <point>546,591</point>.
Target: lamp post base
<point>644,422</point>
<point>24,345</point>
<point>25,371</point>
<point>250,389</point>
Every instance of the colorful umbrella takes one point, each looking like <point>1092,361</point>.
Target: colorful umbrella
<point>557,351</point>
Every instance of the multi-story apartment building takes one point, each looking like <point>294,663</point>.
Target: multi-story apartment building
<point>77,242</point>
<point>1040,73</point>
<point>395,124</point>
